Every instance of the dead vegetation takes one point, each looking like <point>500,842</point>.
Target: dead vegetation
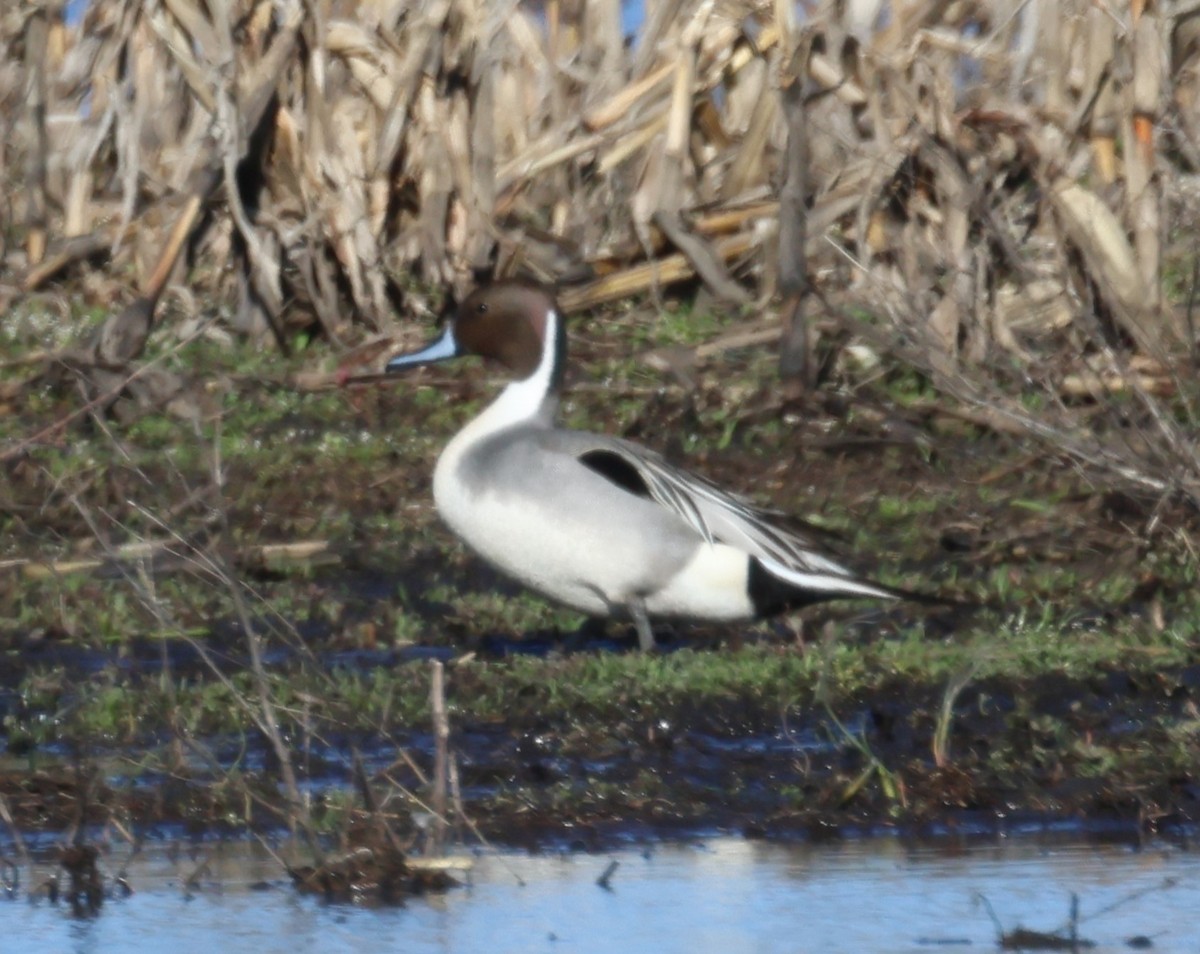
<point>997,195</point>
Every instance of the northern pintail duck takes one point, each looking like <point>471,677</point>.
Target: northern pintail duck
<point>596,522</point>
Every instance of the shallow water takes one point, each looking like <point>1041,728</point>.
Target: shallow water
<point>726,894</point>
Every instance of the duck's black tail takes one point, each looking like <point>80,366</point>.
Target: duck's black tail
<point>775,588</point>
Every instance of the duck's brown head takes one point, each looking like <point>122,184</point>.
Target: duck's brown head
<point>513,323</point>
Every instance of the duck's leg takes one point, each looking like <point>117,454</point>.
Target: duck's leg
<point>637,609</point>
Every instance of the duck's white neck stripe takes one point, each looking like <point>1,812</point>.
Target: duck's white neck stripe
<point>527,398</point>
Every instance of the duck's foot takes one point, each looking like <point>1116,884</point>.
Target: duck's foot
<point>645,634</point>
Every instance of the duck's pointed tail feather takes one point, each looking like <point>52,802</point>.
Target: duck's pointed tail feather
<point>775,588</point>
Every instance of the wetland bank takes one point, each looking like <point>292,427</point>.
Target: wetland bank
<point>899,281</point>
<point>129,691</point>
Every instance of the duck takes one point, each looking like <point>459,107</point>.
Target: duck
<point>599,523</point>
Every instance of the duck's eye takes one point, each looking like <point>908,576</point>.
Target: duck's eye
<point>481,308</point>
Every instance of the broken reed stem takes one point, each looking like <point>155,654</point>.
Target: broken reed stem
<point>269,722</point>
<point>441,753</point>
<point>371,804</point>
<point>37,34</point>
<point>167,681</point>
<point>456,797</point>
<point>795,352</point>
<point>15,831</point>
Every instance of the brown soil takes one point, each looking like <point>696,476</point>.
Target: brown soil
<point>741,765</point>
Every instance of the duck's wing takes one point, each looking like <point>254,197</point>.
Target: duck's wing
<point>716,515</point>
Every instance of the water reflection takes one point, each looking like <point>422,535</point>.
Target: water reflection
<point>728,895</point>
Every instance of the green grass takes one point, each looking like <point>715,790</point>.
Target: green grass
<point>353,468</point>
<point>596,689</point>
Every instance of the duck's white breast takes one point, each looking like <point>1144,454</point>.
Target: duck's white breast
<point>517,537</point>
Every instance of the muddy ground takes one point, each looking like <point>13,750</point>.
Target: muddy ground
<point>126,690</point>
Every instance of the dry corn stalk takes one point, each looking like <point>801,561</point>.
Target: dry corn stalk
<point>446,138</point>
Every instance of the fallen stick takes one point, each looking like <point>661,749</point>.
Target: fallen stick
<point>62,255</point>
<point>640,278</point>
<point>704,260</point>
<point>266,554</point>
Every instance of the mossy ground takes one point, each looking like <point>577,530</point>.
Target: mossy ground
<point>1073,692</point>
